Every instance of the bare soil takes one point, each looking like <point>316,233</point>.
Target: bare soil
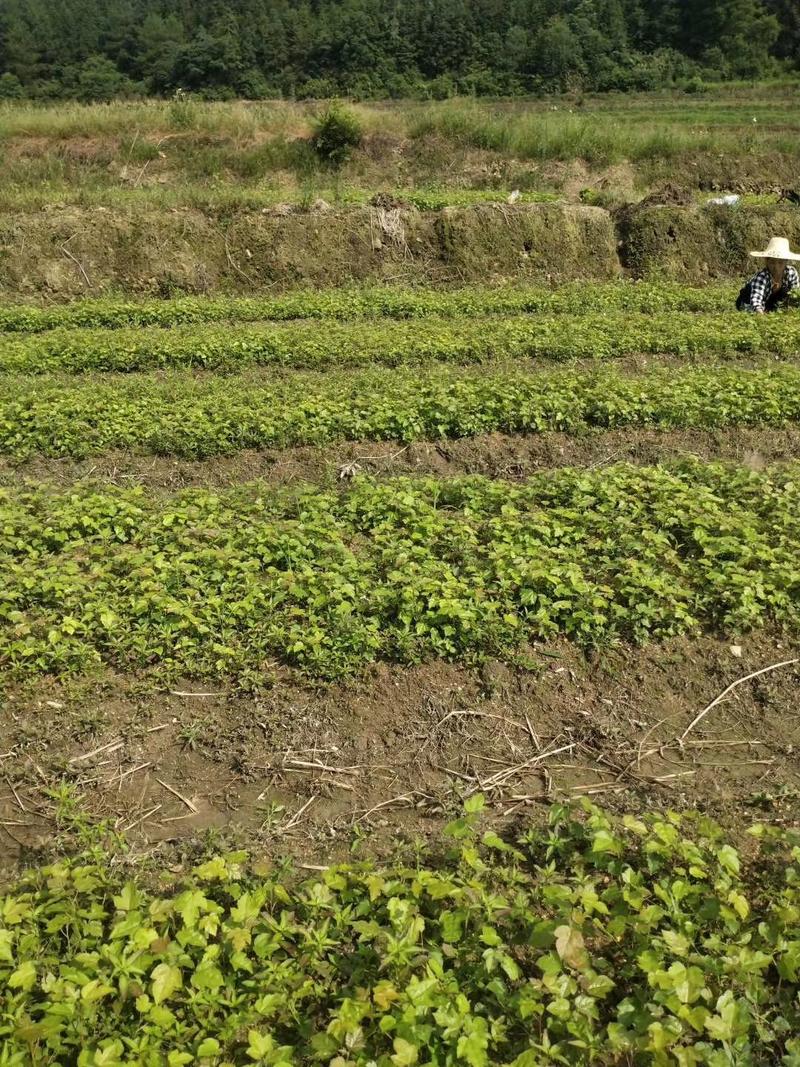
<point>320,772</point>
<point>494,455</point>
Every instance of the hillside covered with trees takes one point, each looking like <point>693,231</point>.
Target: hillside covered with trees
<point>99,49</point>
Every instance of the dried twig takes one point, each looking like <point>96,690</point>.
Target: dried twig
<point>537,744</point>
<point>764,670</point>
<point>498,780</point>
<point>20,805</point>
<point>401,799</point>
<point>119,779</point>
<point>140,820</point>
<point>480,715</point>
<point>183,693</point>
<point>76,261</point>
<point>298,815</point>
<point>316,765</point>
<point>110,746</point>
<point>180,797</point>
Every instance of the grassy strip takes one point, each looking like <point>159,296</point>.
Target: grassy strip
<point>116,313</point>
<point>208,583</point>
<point>596,137</point>
<point>179,414</point>
<point>592,940</point>
<point>32,187</point>
<point>465,340</point>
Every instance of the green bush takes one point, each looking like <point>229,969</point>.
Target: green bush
<point>10,87</point>
<point>336,133</point>
<point>695,85</point>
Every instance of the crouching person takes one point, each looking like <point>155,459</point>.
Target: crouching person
<point>769,289</point>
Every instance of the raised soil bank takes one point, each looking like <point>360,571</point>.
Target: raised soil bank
<point>695,244</point>
<point>72,252</point>
<point>69,252</point>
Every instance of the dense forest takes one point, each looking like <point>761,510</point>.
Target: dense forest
<point>99,49</point>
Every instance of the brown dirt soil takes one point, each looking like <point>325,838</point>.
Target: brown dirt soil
<point>494,455</point>
<point>318,772</point>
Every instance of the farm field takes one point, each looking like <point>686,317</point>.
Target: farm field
<point>281,494</point>
<point>396,673</point>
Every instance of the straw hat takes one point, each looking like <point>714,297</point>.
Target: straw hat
<point>778,248</point>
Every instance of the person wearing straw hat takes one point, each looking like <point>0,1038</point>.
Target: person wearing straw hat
<point>769,289</point>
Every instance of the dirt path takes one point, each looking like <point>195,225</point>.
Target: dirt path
<point>494,455</point>
<point>318,771</point>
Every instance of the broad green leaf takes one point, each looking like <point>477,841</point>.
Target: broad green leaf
<point>675,942</point>
<point>729,859</point>
<point>260,1045</point>
<point>405,1054</point>
<point>24,977</point>
<point>165,980</point>
<point>603,841</point>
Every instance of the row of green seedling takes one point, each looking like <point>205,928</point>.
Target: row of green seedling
<point>115,312</point>
<point>207,583</point>
<point>591,939</point>
<point>181,414</point>
<point>464,340</point>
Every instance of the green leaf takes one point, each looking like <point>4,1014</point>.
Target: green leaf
<point>405,1054</point>
<point>675,942</point>
<point>260,1045</point>
<point>24,977</point>
<point>165,980</point>
<point>603,841</point>
<point>740,904</point>
<point>729,859</point>
<point>6,941</point>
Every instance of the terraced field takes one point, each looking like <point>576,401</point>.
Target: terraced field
<point>307,573</point>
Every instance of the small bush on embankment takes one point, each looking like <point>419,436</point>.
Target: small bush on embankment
<point>592,940</point>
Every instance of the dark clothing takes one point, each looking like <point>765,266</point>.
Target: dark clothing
<point>760,295</point>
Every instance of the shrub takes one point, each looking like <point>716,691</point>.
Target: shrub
<point>10,87</point>
<point>336,134</point>
<point>183,114</point>
<point>695,85</point>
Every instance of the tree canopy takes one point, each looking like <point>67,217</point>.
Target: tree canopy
<point>100,49</point>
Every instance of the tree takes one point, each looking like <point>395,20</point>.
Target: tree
<point>10,87</point>
<point>98,79</point>
<point>159,42</point>
<point>374,47</point>
<point>787,45</point>
<point>558,56</point>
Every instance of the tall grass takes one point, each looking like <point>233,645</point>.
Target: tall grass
<point>598,138</point>
<point>239,119</point>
